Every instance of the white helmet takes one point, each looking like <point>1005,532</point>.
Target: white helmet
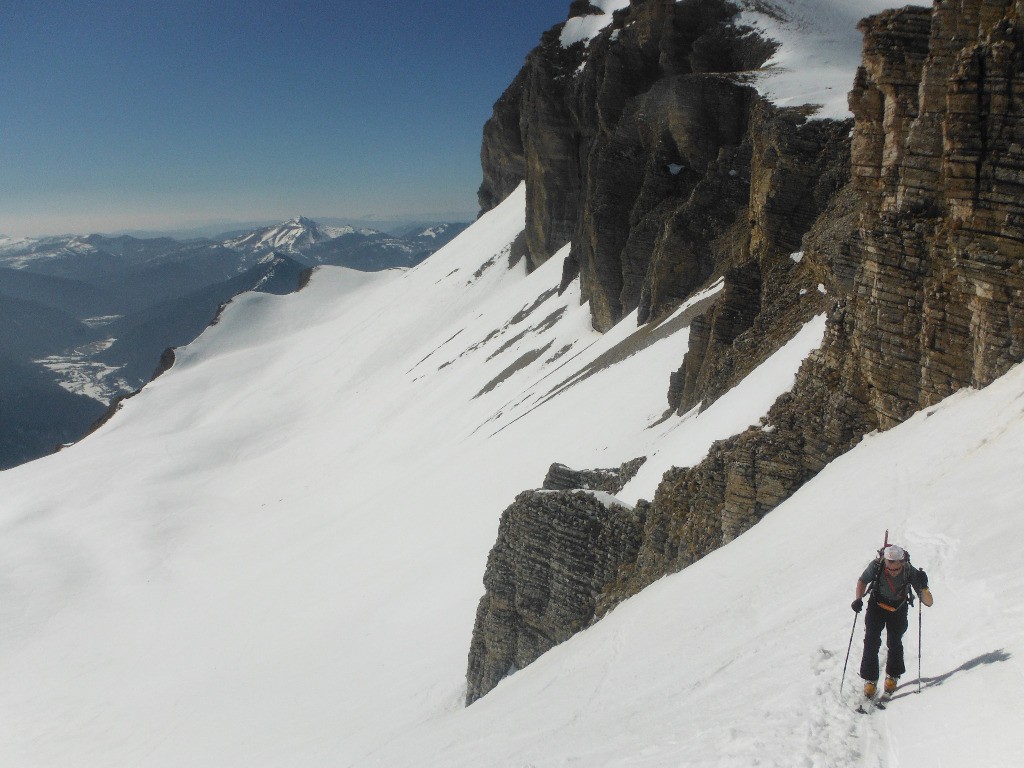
<point>892,552</point>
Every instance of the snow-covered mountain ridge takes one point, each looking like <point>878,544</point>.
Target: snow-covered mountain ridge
<point>300,237</point>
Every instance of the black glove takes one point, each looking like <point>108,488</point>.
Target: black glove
<point>924,578</point>
<point>857,605</point>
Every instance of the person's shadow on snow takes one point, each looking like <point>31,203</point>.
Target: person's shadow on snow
<point>992,657</point>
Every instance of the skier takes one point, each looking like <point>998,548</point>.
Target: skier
<point>892,577</point>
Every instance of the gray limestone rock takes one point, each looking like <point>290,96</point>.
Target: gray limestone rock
<point>562,478</point>
<point>555,551</point>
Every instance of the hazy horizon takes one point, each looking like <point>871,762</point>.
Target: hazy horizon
<point>210,228</point>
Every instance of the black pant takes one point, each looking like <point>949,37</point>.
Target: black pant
<point>895,624</point>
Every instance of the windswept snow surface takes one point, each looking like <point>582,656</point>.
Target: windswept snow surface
<point>820,50</point>
<point>272,556</point>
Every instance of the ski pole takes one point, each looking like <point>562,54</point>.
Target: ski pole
<point>848,648</point>
<point>919,646</point>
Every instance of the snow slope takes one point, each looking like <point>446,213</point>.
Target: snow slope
<point>272,555</point>
<point>737,660</point>
<point>819,50</point>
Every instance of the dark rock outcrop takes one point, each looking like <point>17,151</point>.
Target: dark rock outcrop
<point>555,551</point>
<point>557,548</point>
<point>613,138</point>
<point>562,478</point>
<point>798,166</point>
<point>642,193</point>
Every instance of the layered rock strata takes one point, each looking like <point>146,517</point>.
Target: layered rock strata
<point>554,553</point>
<point>911,239</point>
<point>563,478</point>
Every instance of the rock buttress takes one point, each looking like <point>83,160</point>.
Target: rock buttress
<point>555,551</point>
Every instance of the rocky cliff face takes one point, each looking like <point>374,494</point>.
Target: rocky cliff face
<point>622,143</point>
<point>555,551</point>
<point>557,547</point>
<point>912,227</point>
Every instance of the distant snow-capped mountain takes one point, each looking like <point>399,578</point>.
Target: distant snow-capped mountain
<point>295,236</point>
<point>434,231</point>
<point>361,248</point>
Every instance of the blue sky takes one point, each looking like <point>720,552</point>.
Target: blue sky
<point>118,114</point>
